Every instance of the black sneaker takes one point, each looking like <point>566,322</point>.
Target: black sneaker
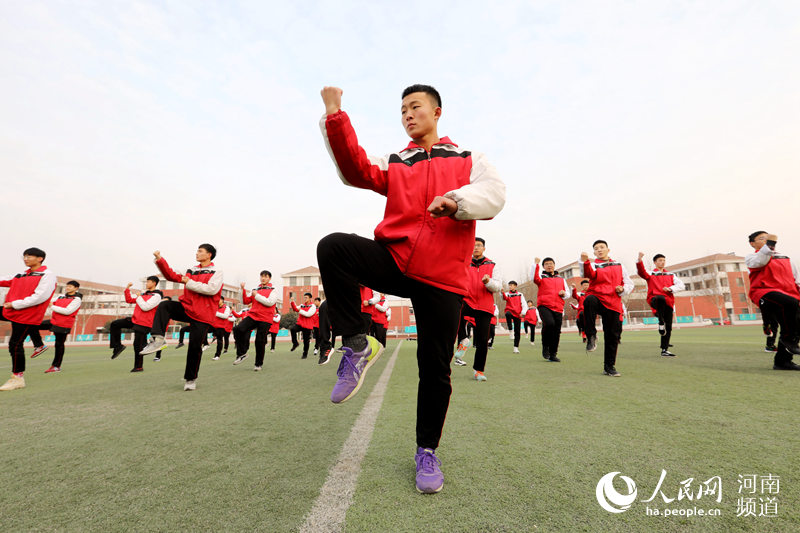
<point>138,370</point>
<point>180,345</point>
<point>662,329</point>
<point>239,359</point>
<point>554,359</point>
<point>118,350</point>
<point>546,353</point>
<point>294,346</point>
<point>788,366</point>
<point>770,349</point>
<point>611,371</point>
<point>667,353</point>
<point>156,359</point>
<point>792,348</point>
<point>324,356</point>
<point>591,343</point>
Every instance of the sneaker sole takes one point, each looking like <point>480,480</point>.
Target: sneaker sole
<point>436,491</point>
<point>370,362</point>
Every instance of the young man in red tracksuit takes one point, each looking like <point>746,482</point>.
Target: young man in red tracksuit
<point>516,307</point>
<point>315,329</point>
<point>197,305</point>
<point>608,282</point>
<point>262,302</point>
<point>580,296</point>
<point>65,311</point>
<point>484,280</point>
<point>369,298</point>
<point>222,326</point>
<point>661,289</point>
<point>380,320</point>
<point>530,320</point>
<point>434,193</point>
<point>141,322</point>
<point>305,323</point>
<point>27,299</point>
<point>775,288</point>
<point>274,329</point>
<point>553,291</point>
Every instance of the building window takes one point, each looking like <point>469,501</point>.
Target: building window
<point>724,282</point>
<point>705,270</point>
<point>742,297</point>
<point>739,282</point>
<point>727,296</point>
<point>292,280</point>
<point>306,280</point>
<point>291,295</point>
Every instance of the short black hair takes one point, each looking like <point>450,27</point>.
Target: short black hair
<point>530,301</point>
<point>427,89</point>
<point>546,259</point>
<point>210,249</point>
<point>308,294</point>
<point>74,283</point>
<point>265,273</point>
<point>35,252</point>
<point>752,236</point>
<point>657,257</point>
<point>317,299</point>
<point>153,279</point>
<point>221,298</point>
<point>585,281</point>
<point>598,241</point>
<point>480,240</point>
<point>512,281</point>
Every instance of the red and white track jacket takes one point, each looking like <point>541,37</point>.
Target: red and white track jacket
<point>305,313</point>
<point>771,271</point>
<point>372,297</point>
<point>549,287</point>
<point>495,315</point>
<point>434,251</point>
<point>379,313</point>
<point>515,303</point>
<point>276,323</point>
<point>146,305</point>
<point>656,281</point>
<point>263,307</point>
<point>316,316</point>
<point>479,296</point>
<point>29,293</point>
<point>604,277</point>
<point>580,296</point>
<point>221,318</point>
<point>65,310</point>
<point>532,316</point>
<point>201,293</point>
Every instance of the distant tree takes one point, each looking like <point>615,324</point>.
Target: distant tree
<point>288,319</point>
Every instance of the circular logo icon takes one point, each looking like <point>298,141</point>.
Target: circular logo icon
<point>611,500</point>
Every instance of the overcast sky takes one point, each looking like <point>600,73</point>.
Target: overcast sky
<point>126,127</point>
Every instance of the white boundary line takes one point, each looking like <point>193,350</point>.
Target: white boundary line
<point>328,512</point>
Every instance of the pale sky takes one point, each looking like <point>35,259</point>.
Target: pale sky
<point>127,127</point>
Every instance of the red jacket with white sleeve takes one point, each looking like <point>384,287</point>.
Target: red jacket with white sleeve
<point>201,293</point>
<point>434,251</point>
<point>264,301</point>
<point>549,287</point>
<point>379,312</point>
<point>771,271</point>
<point>146,305</point>
<point>657,279</point>
<point>532,316</point>
<point>29,294</point>
<point>515,303</point>
<point>371,297</point>
<point>604,277</point>
<point>276,323</point>
<point>481,297</point>
<point>495,314</point>
<point>222,316</point>
<point>305,312</point>
<point>580,296</point>
<point>65,310</point>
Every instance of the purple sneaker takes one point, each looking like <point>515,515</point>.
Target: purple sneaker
<point>353,368</point>
<point>430,479</point>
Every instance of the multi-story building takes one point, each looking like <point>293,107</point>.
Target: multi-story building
<point>299,282</point>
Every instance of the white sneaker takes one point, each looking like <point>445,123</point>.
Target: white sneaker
<point>459,362</point>
<point>462,348</point>
<point>516,350</point>
<point>533,343</point>
<point>256,369</point>
<point>206,347</point>
<point>154,345</point>
<point>190,385</point>
<point>272,350</point>
<point>239,359</point>
<point>14,382</point>
<point>215,358</point>
<point>316,352</point>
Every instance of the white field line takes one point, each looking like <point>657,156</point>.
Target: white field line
<point>328,512</point>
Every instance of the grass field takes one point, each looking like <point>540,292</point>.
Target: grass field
<point>96,448</point>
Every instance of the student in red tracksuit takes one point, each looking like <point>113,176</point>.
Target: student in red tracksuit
<point>197,305</point>
<point>608,282</point>
<point>369,298</point>
<point>274,329</point>
<point>315,329</point>
<point>775,288</point>
<point>263,299</point>
<point>65,311</point>
<point>380,320</point>
<point>516,307</point>
<point>580,296</point>
<point>530,320</point>
<point>661,289</point>
<point>141,322</point>
<point>27,299</point>
<point>221,326</point>
<point>553,291</point>
<point>434,192</point>
<point>305,323</point>
<point>484,280</point>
